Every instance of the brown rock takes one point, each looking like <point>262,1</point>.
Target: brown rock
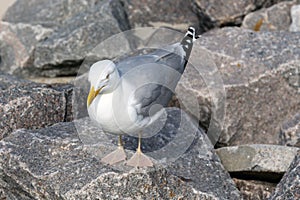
<point>253,189</point>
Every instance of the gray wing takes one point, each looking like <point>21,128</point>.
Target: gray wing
<point>152,93</point>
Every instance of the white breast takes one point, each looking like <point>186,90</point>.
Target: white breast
<point>113,114</point>
<point>101,111</point>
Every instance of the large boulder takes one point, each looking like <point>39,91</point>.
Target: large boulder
<point>177,14</point>
<point>59,163</point>
<point>77,27</point>
<point>259,73</point>
<point>17,46</point>
<point>25,104</point>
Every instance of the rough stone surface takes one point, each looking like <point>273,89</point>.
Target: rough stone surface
<point>24,104</point>
<point>78,27</point>
<point>252,189</point>
<point>290,132</point>
<point>17,45</point>
<point>260,75</point>
<point>225,12</point>
<point>295,14</point>
<point>289,186</point>
<point>274,18</point>
<point>177,14</point>
<point>257,161</point>
<point>53,163</point>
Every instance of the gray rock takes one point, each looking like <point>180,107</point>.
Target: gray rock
<point>80,35</point>
<point>202,14</point>
<point>17,45</point>
<point>24,104</point>
<point>78,27</point>
<point>295,13</point>
<point>262,88</point>
<point>224,12</point>
<point>261,161</point>
<point>177,14</point>
<point>253,189</point>
<point>7,81</point>
<point>290,132</point>
<point>53,163</point>
<point>274,18</point>
<point>289,186</point>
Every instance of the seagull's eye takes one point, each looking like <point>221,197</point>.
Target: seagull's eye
<point>107,76</point>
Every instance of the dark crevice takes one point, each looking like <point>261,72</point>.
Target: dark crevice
<point>271,177</point>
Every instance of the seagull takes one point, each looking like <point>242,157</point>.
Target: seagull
<point>128,96</point>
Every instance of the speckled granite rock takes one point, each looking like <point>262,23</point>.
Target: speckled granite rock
<point>24,104</point>
<point>290,132</point>
<point>262,88</point>
<point>295,14</point>
<point>263,162</point>
<point>275,18</point>
<point>289,186</point>
<point>177,14</point>
<point>53,163</point>
<point>253,189</point>
<point>17,45</point>
<point>77,28</point>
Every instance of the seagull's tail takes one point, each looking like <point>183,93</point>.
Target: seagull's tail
<point>187,42</point>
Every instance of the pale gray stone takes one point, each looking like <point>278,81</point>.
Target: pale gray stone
<point>295,14</point>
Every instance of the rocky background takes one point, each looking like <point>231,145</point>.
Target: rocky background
<point>256,48</point>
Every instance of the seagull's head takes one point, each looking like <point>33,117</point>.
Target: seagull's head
<point>104,78</point>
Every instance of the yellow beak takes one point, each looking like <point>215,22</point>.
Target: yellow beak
<point>92,95</point>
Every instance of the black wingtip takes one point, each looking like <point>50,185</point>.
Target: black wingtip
<point>187,41</point>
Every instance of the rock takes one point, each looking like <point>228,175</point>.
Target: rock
<point>262,88</point>
<point>265,162</point>
<point>274,18</point>
<point>289,186</point>
<point>290,132</point>
<point>17,45</point>
<point>24,104</point>
<point>253,189</point>
<point>78,27</point>
<point>59,163</point>
<point>295,13</point>
<point>222,13</point>
<point>7,81</point>
<point>202,14</point>
<point>177,14</point>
